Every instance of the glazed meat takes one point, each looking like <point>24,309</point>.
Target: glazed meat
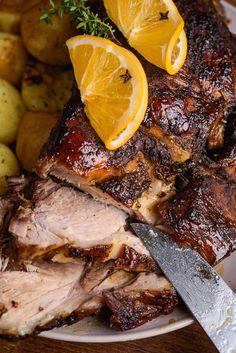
<point>45,296</point>
<point>59,222</point>
<point>225,162</point>
<point>145,297</point>
<point>203,216</point>
<point>184,112</point>
<point>142,300</point>
<point>69,256</point>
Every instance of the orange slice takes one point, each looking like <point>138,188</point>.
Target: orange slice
<point>154,28</point>
<point>113,87</point>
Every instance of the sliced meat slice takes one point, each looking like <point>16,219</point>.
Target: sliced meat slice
<point>48,296</point>
<point>57,208</point>
<point>30,300</point>
<point>52,295</point>
<point>56,215</point>
<point>145,298</point>
<point>58,220</point>
<point>203,216</point>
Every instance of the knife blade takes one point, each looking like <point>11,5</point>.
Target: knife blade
<point>208,297</point>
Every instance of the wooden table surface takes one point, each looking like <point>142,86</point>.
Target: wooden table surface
<point>189,340</point>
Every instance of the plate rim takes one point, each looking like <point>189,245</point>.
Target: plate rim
<point>229,6</point>
<point>118,336</point>
<point>128,335</point>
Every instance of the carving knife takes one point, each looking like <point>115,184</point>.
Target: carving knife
<point>208,297</point>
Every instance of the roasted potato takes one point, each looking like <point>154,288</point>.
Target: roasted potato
<point>46,42</point>
<point>10,15</point>
<point>19,6</point>
<point>11,110</point>
<point>32,3</point>
<point>46,88</point>
<point>11,12</point>
<point>9,166</point>
<point>10,22</point>
<point>12,58</point>
<point>34,131</point>
<point>12,6</point>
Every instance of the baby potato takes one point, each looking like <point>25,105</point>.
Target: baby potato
<point>34,131</point>
<point>12,6</point>
<point>10,22</point>
<point>11,111</point>
<point>30,3</point>
<point>46,88</point>
<point>12,58</point>
<point>46,42</point>
<point>9,166</point>
<point>10,14</point>
<point>18,6</point>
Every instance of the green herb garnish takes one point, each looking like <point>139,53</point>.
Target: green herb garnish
<point>85,19</point>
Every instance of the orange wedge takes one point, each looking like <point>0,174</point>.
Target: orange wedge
<point>154,28</point>
<point>113,87</point>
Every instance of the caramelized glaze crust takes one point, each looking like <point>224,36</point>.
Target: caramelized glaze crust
<point>140,301</point>
<point>183,112</point>
<point>203,217</point>
<point>226,160</point>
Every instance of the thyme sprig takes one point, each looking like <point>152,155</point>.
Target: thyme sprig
<point>85,19</point>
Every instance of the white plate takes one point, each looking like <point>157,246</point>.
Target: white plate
<point>92,331</point>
